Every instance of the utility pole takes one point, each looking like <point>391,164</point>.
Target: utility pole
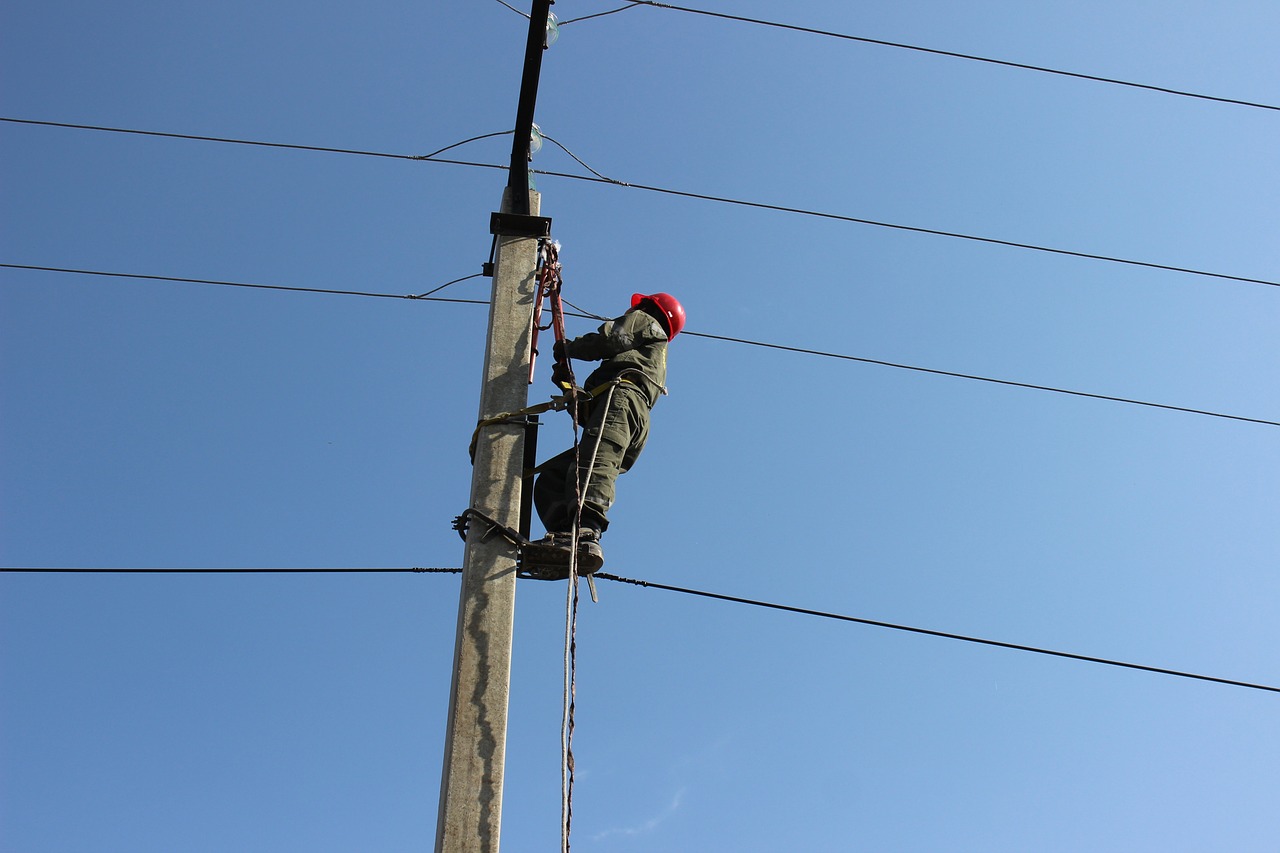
<point>470,816</point>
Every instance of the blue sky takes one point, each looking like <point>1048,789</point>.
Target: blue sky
<point>160,424</point>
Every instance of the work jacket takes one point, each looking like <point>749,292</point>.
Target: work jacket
<point>634,342</point>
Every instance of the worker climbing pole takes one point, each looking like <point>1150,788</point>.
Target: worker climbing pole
<point>574,490</point>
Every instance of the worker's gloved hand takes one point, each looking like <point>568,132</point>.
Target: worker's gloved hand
<point>580,405</point>
<point>561,375</point>
<point>557,351</point>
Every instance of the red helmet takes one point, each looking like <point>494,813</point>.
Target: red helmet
<point>668,305</point>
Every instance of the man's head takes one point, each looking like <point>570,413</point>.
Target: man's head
<point>664,307</point>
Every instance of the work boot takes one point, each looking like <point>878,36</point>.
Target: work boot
<point>552,549</point>
<point>590,554</point>
<point>553,539</point>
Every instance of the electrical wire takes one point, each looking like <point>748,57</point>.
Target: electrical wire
<point>803,611</point>
<point>914,229</point>
<point>953,54</point>
<point>424,297</point>
<point>449,284</point>
<point>597,178</point>
<point>514,9</point>
<point>690,333</point>
<point>224,571</point>
<point>733,599</point>
<point>1008,382</point>
<point>598,14</point>
<point>223,139</point>
<point>561,146</point>
<point>464,142</point>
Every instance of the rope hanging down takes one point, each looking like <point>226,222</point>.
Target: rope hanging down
<point>574,400</point>
<point>550,283</point>
<point>580,404</point>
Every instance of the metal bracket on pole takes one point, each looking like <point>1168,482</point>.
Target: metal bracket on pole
<point>518,225</point>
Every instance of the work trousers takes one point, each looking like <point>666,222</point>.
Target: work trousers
<point>617,429</point>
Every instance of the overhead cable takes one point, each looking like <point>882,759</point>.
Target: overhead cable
<point>733,599</point>
<point>803,611</point>
<point>631,5</point>
<point>425,297</point>
<point>589,316</point>
<point>513,8</point>
<point>1008,382</point>
<point>915,229</point>
<point>597,178</point>
<point>225,571</point>
<point>953,54</point>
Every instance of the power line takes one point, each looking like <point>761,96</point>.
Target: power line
<point>425,297</point>
<point>631,5</point>
<point>513,8</point>
<point>733,599</point>
<point>464,142</point>
<point>1009,382</point>
<point>223,571</point>
<point>953,54</point>
<point>223,139</point>
<point>931,633</point>
<point>916,229</point>
<point>573,20</point>
<point>799,211</point>
<point>745,341</point>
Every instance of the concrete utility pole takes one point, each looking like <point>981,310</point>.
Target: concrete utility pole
<point>470,817</point>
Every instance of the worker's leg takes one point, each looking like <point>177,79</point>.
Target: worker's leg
<point>553,493</point>
<point>619,435</point>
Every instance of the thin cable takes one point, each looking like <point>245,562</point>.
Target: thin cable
<point>1008,382</point>
<point>86,571</point>
<point>1002,62</point>
<point>447,284</point>
<point>583,313</point>
<point>514,9</point>
<point>425,297</point>
<point>745,341</point>
<point>465,141</point>
<point>913,228</point>
<point>956,375</point>
<point>598,14</point>
<point>942,634</point>
<point>223,139</point>
<point>803,611</point>
<point>582,164</point>
<point>288,146</point>
<point>685,194</point>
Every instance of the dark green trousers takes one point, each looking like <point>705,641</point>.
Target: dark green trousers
<point>617,429</point>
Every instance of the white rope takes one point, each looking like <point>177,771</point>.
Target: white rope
<point>571,623</point>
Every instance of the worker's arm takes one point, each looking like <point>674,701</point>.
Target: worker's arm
<point>632,330</point>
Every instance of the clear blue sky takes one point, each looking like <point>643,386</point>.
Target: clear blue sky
<point>154,424</point>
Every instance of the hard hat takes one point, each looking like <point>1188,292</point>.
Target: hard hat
<point>668,305</point>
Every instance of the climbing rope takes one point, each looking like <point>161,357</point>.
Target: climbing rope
<point>550,282</point>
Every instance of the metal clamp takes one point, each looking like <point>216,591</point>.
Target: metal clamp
<point>518,225</point>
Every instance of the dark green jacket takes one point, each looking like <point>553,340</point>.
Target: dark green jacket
<point>634,341</point>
